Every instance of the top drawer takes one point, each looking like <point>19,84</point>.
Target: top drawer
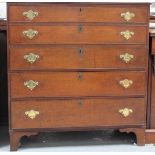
<point>78,13</point>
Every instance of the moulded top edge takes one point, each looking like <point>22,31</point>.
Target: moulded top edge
<point>78,3</point>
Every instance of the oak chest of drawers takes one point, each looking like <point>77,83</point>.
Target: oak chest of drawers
<point>77,66</point>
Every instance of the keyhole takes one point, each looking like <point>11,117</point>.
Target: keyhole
<point>80,76</point>
<point>80,102</point>
<point>80,9</point>
<point>80,28</point>
<point>80,51</point>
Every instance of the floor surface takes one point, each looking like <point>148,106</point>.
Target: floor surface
<point>96,141</point>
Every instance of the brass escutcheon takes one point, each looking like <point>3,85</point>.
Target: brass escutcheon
<point>126,57</point>
<point>31,57</point>
<point>31,84</point>
<point>127,15</point>
<point>32,113</point>
<point>127,34</point>
<point>125,112</point>
<point>30,15</point>
<point>80,76</point>
<point>30,33</point>
<point>126,83</point>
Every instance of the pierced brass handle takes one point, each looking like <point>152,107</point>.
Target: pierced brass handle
<point>127,34</point>
<point>30,33</point>
<point>30,15</point>
<point>31,57</point>
<point>31,113</point>
<point>31,84</point>
<point>125,112</point>
<point>126,57</point>
<point>127,15</point>
<point>126,83</point>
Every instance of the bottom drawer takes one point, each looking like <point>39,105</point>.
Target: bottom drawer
<point>77,113</point>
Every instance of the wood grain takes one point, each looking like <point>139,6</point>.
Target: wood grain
<point>61,84</point>
<point>77,91</point>
<point>70,57</point>
<point>73,113</point>
<point>78,13</point>
<point>70,34</point>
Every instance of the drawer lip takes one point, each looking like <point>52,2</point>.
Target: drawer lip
<point>80,3</point>
<point>140,69</point>
<point>76,23</point>
<point>75,97</point>
<point>88,128</point>
<point>68,58</point>
<point>132,103</point>
<point>97,24</point>
<point>77,88</point>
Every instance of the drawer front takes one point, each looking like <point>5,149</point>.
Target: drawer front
<point>79,13</point>
<point>78,57</point>
<point>77,34</point>
<point>77,113</point>
<point>65,84</point>
<point>51,58</point>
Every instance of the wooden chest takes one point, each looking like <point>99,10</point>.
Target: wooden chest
<point>77,66</point>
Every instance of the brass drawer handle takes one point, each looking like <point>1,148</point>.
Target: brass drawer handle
<point>126,57</point>
<point>31,114</point>
<point>126,83</point>
<point>30,33</point>
<point>127,34</point>
<point>127,15</point>
<point>30,15</point>
<point>31,57</point>
<point>125,112</point>
<point>31,84</point>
